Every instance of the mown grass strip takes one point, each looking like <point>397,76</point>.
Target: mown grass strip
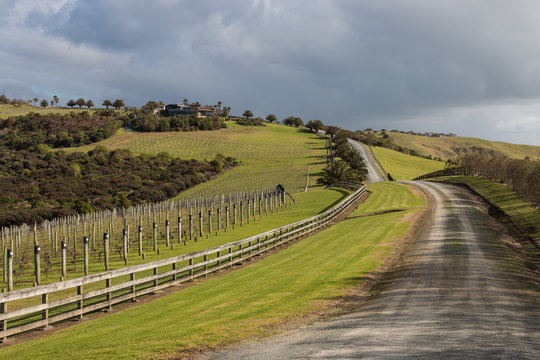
<point>405,167</point>
<point>306,277</point>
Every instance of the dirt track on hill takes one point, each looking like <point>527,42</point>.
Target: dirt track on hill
<point>459,294</point>
<point>373,174</point>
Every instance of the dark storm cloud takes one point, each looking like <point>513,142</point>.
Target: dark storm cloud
<point>445,65</point>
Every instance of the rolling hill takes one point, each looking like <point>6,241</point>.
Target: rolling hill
<point>451,147</point>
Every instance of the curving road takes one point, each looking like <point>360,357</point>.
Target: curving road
<point>374,175</point>
<point>453,298</point>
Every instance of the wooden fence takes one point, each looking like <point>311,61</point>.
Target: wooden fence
<point>445,172</point>
<point>40,306</point>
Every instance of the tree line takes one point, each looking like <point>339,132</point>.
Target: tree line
<point>522,175</point>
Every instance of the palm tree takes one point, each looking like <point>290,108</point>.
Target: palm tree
<point>247,114</point>
<point>219,105</point>
<point>44,103</point>
<point>36,101</point>
<point>89,104</point>
<point>52,103</point>
<point>337,171</point>
<point>80,102</point>
<point>56,99</point>
<point>186,102</point>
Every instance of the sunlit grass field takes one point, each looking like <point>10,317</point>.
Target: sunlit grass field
<point>405,167</point>
<point>12,110</point>
<point>306,278</point>
<point>450,147</point>
<point>269,155</point>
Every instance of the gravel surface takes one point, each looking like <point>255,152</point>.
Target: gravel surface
<point>452,298</point>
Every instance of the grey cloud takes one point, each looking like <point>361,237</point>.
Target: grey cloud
<point>352,63</point>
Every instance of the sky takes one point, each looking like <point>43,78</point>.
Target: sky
<point>469,67</point>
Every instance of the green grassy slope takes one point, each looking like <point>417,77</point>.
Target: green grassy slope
<point>405,167</point>
<point>451,147</point>
<point>11,110</point>
<point>308,277</point>
<point>270,155</point>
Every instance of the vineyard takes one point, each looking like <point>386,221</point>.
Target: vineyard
<point>269,155</point>
<point>206,215</point>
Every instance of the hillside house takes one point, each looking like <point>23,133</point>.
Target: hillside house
<point>190,109</point>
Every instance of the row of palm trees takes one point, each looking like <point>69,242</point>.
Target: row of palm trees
<point>80,102</point>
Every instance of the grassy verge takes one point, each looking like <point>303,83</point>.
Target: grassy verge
<point>306,278</point>
<point>405,167</point>
<point>525,219</point>
<point>307,204</point>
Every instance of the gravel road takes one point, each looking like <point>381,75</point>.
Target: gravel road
<point>452,298</point>
<point>374,174</point>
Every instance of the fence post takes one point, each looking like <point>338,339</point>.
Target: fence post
<point>167,233</point>
<point>234,215</point>
<point>10,269</point>
<point>106,250</point>
<point>64,259</point>
<point>210,216</point>
<point>200,224</point>
<point>85,241</point>
<point>37,263</point>
<point>219,219</point>
<point>154,234</point>
<point>190,227</point>
<point>179,229</point>
<point>226,218</point>
<point>3,324</point>
<point>140,240</point>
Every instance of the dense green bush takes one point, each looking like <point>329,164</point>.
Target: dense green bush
<point>56,130</point>
<point>38,185</point>
<point>149,122</point>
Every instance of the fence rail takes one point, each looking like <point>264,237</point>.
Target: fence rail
<point>445,172</point>
<point>35,307</point>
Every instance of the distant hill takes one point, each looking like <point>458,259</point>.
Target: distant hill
<point>452,147</point>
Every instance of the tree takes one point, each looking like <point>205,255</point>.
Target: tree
<point>36,101</point>
<point>186,102</point>
<point>297,121</point>
<point>317,125</point>
<point>71,103</point>
<point>52,102</point>
<point>90,104</point>
<point>247,114</point>
<point>332,131</point>
<point>337,171</point>
<point>118,103</point>
<point>271,118</point>
<point>56,99</point>
<point>107,103</point>
<point>4,99</point>
<point>80,102</point>
<point>44,103</point>
<point>219,105</point>
<point>310,125</point>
